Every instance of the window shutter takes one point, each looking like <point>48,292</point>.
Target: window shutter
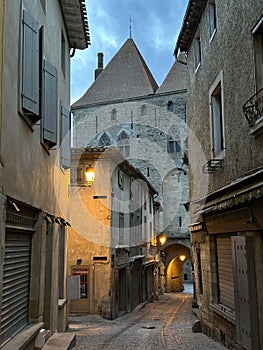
<point>65,138</point>
<point>49,104</point>
<point>30,66</point>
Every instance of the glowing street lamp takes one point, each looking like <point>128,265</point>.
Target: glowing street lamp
<point>162,239</point>
<point>90,175</point>
<point>182,258</point>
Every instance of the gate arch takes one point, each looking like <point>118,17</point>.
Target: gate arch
<point>176,256</point>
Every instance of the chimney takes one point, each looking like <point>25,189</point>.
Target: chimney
<point>100,65</point>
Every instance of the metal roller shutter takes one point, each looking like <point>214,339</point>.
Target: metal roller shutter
<point>225,272</point>
<point>16,278</point>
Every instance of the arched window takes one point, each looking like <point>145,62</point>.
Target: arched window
<point>123,144</point>
<point>173,145</point>
<point>170,106</point>
<point>104,140</point>
<point>114,114</point>
<point>143,110</point>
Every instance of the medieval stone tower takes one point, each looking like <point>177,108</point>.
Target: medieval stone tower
<point>124,106</point>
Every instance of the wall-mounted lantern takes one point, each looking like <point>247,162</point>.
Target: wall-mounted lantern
<point>162,239</point>
<point>90,175</point>
<point>182,258</point>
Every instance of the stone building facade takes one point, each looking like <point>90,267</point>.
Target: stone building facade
<point>36,38</point>
<point>125,107</point>
<point>111,242</point>
<point>223,41</point>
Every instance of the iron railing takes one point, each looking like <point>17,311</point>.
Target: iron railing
<point>213,165</point>
<point>253,108</point>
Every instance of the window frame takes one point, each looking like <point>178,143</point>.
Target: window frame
<point>212,19</point>
<point>197,50</point>
<point>257,36</point>
<point>215,90</point>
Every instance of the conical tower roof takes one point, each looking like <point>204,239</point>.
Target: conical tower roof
<point>126,76</point>
<point>176,78</point>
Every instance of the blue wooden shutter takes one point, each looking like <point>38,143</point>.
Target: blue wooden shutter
<point>49,104</point>
<point>65,138</point>
<point>30,66</point>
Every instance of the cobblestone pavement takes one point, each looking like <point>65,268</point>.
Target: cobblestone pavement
<point>162,325</point>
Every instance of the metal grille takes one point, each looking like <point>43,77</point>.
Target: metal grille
<point>16,278</point>
<point>225,272</point>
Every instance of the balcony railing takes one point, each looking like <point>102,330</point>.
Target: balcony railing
<point>213,165</point>
<point>253,108</point>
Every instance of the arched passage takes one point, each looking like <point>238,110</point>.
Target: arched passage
<point>176,257</point>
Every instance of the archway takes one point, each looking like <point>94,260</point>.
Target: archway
<point>177,267</point>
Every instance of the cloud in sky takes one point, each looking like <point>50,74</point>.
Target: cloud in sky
<point>155,28</point>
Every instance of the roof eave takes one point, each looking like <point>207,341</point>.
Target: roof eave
<point>191,21</point>
<point>76,23</point>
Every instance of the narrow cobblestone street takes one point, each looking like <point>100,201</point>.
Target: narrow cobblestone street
<point>162,325</point>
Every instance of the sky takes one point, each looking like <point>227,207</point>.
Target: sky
<point>155,27</point>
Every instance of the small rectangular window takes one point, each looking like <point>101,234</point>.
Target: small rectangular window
<point>217,117</point>
<point>121,228</point>
<point>212,19</point>
<point>121,179</point>
<point>258,54</point>
<point>197,50</point>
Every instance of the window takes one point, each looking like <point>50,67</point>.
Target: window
<point>29,68</point>
<point>173,146</point>
<point>49,104</point>
<point>180,221</point>
<point>121,228</point>
<point>123,144</point>
<point>114,114</point>
<point>217,120</point>
<point>121,179</point>
<point>197,50</point>
<point>65,137</point>
<point>212,19</point>
<point>170,106</point>
<point>258,54</point>
<point>104,140</point>
<point>143,110</point>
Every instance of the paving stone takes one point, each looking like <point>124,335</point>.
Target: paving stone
<point>162,325</point>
